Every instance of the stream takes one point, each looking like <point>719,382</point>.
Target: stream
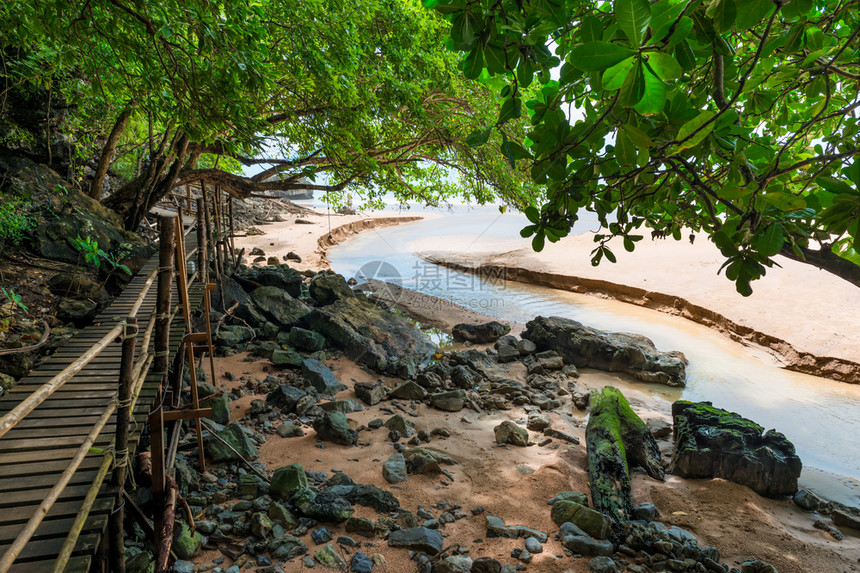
<point>816,414</point>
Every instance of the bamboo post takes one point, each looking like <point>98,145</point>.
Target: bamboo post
<point>181,274</point>
<point>231,238</point>
<point>217,225</point>
<point>123,416</point>
<point>195,401</point>
<point>210,241</point>
<point>167,230</point>
<point>156,424</point>
<point>202,266</point>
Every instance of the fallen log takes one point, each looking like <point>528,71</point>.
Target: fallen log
<point>615,439</point>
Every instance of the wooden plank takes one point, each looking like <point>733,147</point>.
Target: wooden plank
<point>61,509</point>
<point>47,529</point>
<point>35,482</point>
<point>49,548</point>
<point>77,564</point>
<point>34,497</point>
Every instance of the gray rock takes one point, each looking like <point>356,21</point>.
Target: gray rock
<point>543,362</point>
<point>282,516</point>
<point>409,390</point>
<point>646,512</point>
<point>286,479</point>
<point>454,564</point>
<point>538,421</point>
<point>324,506</point>
<point>558,434</point>
<point>401,425</point>
<point>507,353</point>
<point>289,430</point>
<point>496,528</point>
<point>614,352</point>
<point>806,499</point>
<point>232,335</point>
<point>361,563</point>
<point>319,375</point>
<point>328,287</point>
<point>509,433</point>
<point>287,357</point>
<point>577,541</point>
<point>279,307</point>
<point>486,565</point>
<point>285,397</point>
<point>464,377</point>
<point>369,495</point>
<point>449,401</point>
<point>480,333</point>
<point>845,516</point>
<point>306,340</point>
<point>80,312</point>
<point>371,393</point>
<point>533,545</point>
<point>334,427</point>
<point>602,564</point>
<point>417,539</point>
<point>526,347</point>
<point>710,442</point>
<point>360,525</point>
<point>234,435</point>
<point>394,469</point>
<point>423,460</point>
<point>279,276</point>
<point>590,521</point>
<point>756,566</point>
<point>329,557</point>
<point>579,498</point>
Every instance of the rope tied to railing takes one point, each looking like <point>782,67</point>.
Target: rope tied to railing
<point>129,331</point>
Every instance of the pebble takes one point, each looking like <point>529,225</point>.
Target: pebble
<point>533,545</point>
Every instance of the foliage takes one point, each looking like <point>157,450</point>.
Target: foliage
<point>92,254</point>
<point>14,224</point>
<point>13,297</point>
<point>734,118</point>
<point>358,97</point>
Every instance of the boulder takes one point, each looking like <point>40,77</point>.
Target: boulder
<point>423,460</point>
<point>328,287</point>
<point>287,479</point>
<point>329,557</point>
<point>576,540</point>
<point>496,528</point>
<point>371,393</point>
<point>231,336</point>
<point>334,427</point>
<point>480,333</point>
<point>509,433</point>
<point>285,397</point>
<point>401,425</point>
<point>287,357</point>
<point>306,340</point>
<point>409,390</point>
<point>371,496</point>
<point>186,543</point>
<point>77,311</point>
<point>279,307</point>
<point>237,438</point>
<point>449,401</point>
<point>417,539</point>
<point>394,469</point>
<point>588,347</point>
<point>280,276</point>
<point>592,522</point>
<point>711,442</point>
<point>325,506</point>
<point>227,293</point>
<point>321,377</point>
<point>382,340</point>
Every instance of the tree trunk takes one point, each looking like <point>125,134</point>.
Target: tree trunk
<point>109,150</point>
<point>827,260</point>
<point>615,438</point>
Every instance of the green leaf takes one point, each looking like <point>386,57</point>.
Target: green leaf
<point>532,214</point>
<point>538,242</point>
<point>464,27</point>
<point>664,13</point>
<point>512,151</point>
<point>752,12</point>
<point>723,13</point>
<point>614,77</point>
<point>598,56</point>
<point>625,149</point>
<point>511,109</point>
<point>474,63</point>
<point>478,138</point>
<point>494,56</point>
<point>654,97</point>
<point>633,17</point>
<point>568,74</point>
<point>834,185</point>
<point>665,66</point>
<point>684,54</point>
<point>770,242</point>
<point>694,126</point>
<point>637,136</point>
<point>733,192</point>
<point>633,88</point>
<point>610,256</point>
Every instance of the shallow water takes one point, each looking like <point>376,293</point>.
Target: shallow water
<point>818,415</point>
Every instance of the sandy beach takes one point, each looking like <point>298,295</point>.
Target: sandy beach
<point>515,483</point>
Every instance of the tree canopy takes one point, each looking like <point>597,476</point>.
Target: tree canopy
<point>736,118</point>
<point>360,94</point>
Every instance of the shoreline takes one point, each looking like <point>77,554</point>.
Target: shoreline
<point>791,358</point>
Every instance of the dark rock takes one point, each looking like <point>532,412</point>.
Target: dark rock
<point>829,529</point>
<point>321,535</point>
<point>384,341</point>
<point>423,460</point>
<point>371,496</point>
<point>533,545</point>
<point>185,543</point>
<point>232,336</point>
<point>450,401</point>
<point>807,500</point>
<point>401,425</point>
<point>409,390</point>
<point>538,421</point>
<point>285,397</point>
<point>325,507</point>
<point>231,293</point>
<point>417,539</point>
<point>710,442</point>
<point>660,428</point>
<point>558,434</point>
<point>360,525</point>
<point>592,522</point>
<point>480,333</point>
<point>614,352</point>
<point>289,430</point>
<point>237,438</point>
<point>319,375</point>
<point>526,347</point>
<point>79,312</point>
<point>509,433</point>
<point>579,498</point>
<point>343,406</point>
<point>577,541</point>
<point>496,528</point>
<point>604,564</point>
<point>486,565</point>
<point>361,563</point>
<point>287,357</point>
<point>454,564</point>
<point>507,353</point>
<point>334,427</point>
<point>279,307</point>
<point>282,516</point>
<point>279,276</point>
<point>543,362</point>
<point>756,566</point>
<point>464,377</point>
<point>328,287</point>
<point>286,479</point>
<point>845,516</point>
<point>306,340</point>
<point>329,557</point>
<point>394,469</point>
<point>371,393</point>
<point>646,512</point>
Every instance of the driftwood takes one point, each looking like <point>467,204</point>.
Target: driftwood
<point>616,438</point>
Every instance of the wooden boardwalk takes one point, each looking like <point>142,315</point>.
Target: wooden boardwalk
<point>38,449</point>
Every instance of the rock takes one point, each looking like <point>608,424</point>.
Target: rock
<point>558,434</point>
<point>423,460</point>
<point>279,307</point>
<point>306,340</point>
<point>533,545</point>
<point>185,543</point>
<point>319,375</point>
<point>454,564</point>
<point>449,401</point>
<point>807,499</point>
<point>261,525</point>
<point>384,341</point>
<point>660,428</point>
<point>394,469</point>
<point>217,400</point>
<point>328,287</point>
<point>603,564</point>
<point>334,427</point>
<point>234,435</point>
<point>526,347</point>
<point>6,383</point>
<point>369,495</point>
<point>486,565</point>
<point>279,276</point>
<point>581,399</point>
<point>480,333</point>
<point>285,397</point>
<point>592,522</point>
<point>286,479</point>
<point>417,539</point>
<point>292,256</point>
<point>142,562</point>
<point>286,547</point>
<point>401,425</point>
<point>79,312</point>
<point>186,476</point>
<point>321,535</point>
<point>464,377</point>
<point>614,352</point>
<point>845,516</point>
<point>371,393</point>
<point>360,525</point>
<point>710,442</point>
<point>507,353</point>
<point>231,292</point>
<point>756,566</point>
<point>343,406</point>
<point>579,498</point>
<point>496,528</point>
<point>324,506</point>
<point>577,541</point>
<point>543,362</point>
<point>287,357</point>
<point>329,557</point>
<point>509,433</point>
<point>282,516</point>
<point>409,390</point>
<point>257,252</point>
<point>538,421</point>
<point>233,336</point>
<point>829,529</point>
<point>645,512</point>
<point>361,563</point>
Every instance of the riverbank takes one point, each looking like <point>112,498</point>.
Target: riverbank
<point>805,317</point>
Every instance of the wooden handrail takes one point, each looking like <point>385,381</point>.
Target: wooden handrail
<point>30,403</point>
